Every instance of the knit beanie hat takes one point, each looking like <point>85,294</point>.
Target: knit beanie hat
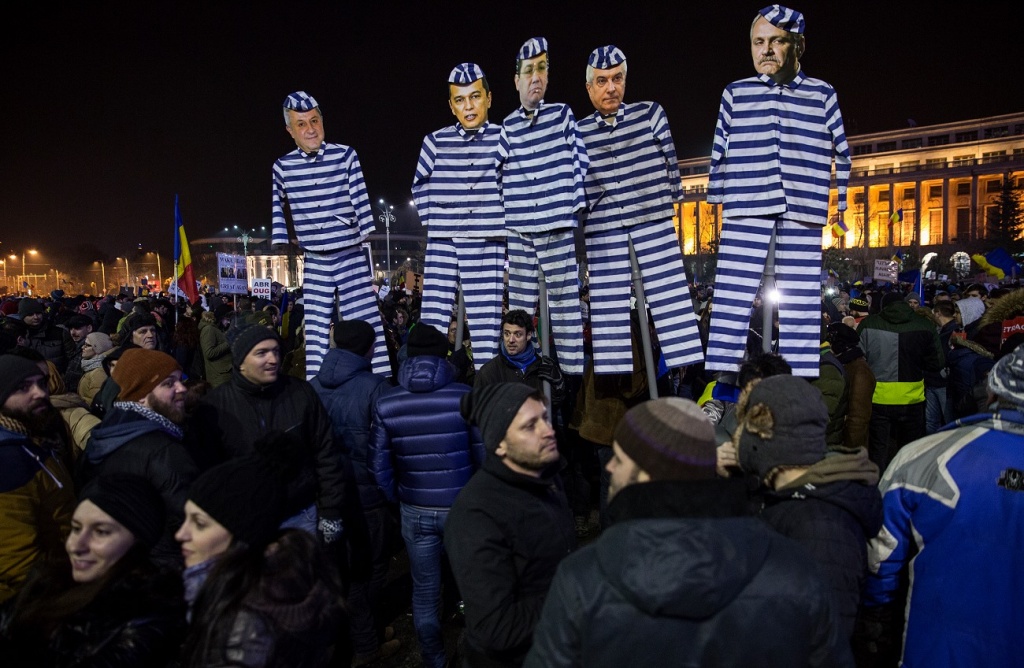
<point>912,296</point>
<point>243,337</point>
<point>100,342</point>
<point>139,370</point>
<point>30,306</point>
<point>971,309</point>
<point>891,298</point>
<point>781,421</point>
<point>356,336</point>
<point>669,438</point>
<point>858,305</point>
<point>132,501</point>
<point>1006,379</point>
<point>14,369</point>
<point>245,495</point>
<point>424,339</point>
<point>492,408</point>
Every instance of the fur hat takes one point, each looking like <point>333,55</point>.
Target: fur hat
<point>781,421</point>
<point>30,306</point>
<point>669,438</point>
<point>139,370</point>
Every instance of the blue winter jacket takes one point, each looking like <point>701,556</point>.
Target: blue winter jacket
<point>422,452</point>
<point>349,391</point>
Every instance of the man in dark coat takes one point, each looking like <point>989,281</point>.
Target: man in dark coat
<point>518,360</point>
<point>511,524</point>
<point>142,435</point>
<point>682,576</point>
<point>828,501</point>
<point>259,399</point>
<point>52,342</point>
<point>349,391</point>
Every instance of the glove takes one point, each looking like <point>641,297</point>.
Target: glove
<point>549,371</point>
<point>330,531</point>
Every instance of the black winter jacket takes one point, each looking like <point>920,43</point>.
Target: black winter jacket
<point>833,516</point>
<point>138,621</point>
<point>501,370</point>
<point>681,578</point>
<point>505,535</point>
<point>232,417</point>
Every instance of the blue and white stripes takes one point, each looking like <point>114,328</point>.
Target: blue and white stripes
<point>774,148</point>
<point>542,164</point>
<point>456,183</point>
<point>326,195</point>
<point>633,176</point>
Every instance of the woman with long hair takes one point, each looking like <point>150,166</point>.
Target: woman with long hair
<point>259,596</point>
<point>106,604</point>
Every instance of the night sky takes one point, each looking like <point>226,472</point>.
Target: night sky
<point>110,110</point>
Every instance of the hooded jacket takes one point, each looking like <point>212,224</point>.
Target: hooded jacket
<point>129,442</point>
<point>682,578</point>
<point>900,346</point>
<point>832,510</point>
<point>422,450</point>
<point>349,391</point>
<point>37,500</point>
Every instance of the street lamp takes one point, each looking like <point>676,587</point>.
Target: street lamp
<point>387,217</point>
<point>159,271</point>
<point>13,256</point>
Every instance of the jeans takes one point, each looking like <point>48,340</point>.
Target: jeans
<point>936,412</point>
<point>423,531</point>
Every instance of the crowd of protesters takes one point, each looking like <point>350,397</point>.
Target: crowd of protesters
<point>175,493</point>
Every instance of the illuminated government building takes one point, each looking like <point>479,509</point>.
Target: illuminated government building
<point>946,178</point>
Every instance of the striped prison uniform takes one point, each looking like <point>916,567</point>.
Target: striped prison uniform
<point>331,212</point>
<point>770,169</point>
<point>542,163</point>
<point>455,190</point>
<point>632,183</point>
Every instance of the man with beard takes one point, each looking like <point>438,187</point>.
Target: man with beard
<point>510,525</point>
<point>142,435</point>
<point>36,495</point>
<point>683,572</point>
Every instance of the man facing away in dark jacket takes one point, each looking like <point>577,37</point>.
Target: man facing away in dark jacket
<point>422,455</point>
<point>349,391</point>
<point>682,576</point>
<point>510,526</point>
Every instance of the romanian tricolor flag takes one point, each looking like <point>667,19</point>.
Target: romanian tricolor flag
<point>897,216</point>
<point>839,227</point>
<point>183,259</point>
<point>898,255</point>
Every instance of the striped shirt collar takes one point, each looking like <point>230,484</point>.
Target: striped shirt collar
<point>528,117</point>
<point>795,83</point>
<point>312,158</point>
<point>618,116</point>
<point>470,136</point>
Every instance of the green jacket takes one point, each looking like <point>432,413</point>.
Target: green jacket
<point>216,353</point>
<point>900,346</point>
